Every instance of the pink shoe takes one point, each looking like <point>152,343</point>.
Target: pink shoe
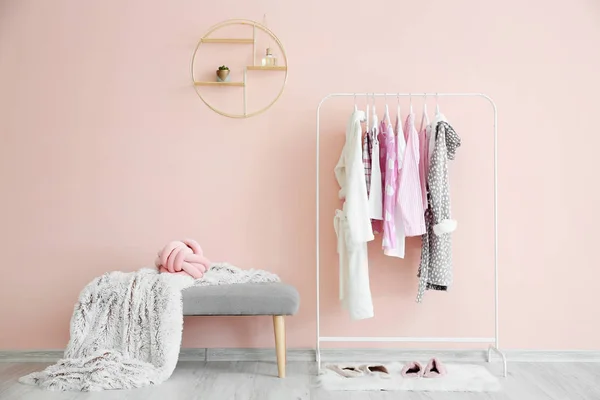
<point>412,370</point>
<point>434,369</point>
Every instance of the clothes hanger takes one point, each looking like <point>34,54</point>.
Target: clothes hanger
<point>437,103</point>
<point>374,110</point>
<point>398,116</point>
<point>424,117</point>
<point>375,119</point>
<point>367,117</point>
<point>356,108</point>
<point>374,131</point>
<point>410,99</point>
<point>387,110</point>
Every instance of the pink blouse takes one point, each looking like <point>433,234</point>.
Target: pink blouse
<point>410,195</point>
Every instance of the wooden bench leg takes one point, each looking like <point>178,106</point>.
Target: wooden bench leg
<point>279,326</point>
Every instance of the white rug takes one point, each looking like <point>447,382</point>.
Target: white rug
<point>460,378</point>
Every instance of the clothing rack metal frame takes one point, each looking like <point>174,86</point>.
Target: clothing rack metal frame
<point>494,341</point>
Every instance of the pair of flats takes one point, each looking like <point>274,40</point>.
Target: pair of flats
<point>433,369</point>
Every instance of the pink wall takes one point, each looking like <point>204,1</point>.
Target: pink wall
<point>106,153</point>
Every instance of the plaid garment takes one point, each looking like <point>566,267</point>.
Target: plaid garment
<point>367,162</point>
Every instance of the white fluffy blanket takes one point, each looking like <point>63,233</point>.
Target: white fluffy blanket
<point>226,274</point>
<point>126,329</point>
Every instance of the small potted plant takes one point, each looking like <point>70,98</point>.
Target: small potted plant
<point>223,74</point>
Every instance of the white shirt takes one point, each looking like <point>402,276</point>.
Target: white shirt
<point>376,192</point>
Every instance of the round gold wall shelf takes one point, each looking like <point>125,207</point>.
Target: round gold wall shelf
<point>208,38</point>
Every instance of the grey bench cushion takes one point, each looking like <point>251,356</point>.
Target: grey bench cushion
<point>241,299</point>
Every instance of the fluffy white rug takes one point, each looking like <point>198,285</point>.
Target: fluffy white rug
<point>126,329</point>
<point>460,378</point>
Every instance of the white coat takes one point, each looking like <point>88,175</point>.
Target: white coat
<point>353,224</point>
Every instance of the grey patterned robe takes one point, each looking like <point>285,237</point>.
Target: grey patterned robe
<point>435,270</point>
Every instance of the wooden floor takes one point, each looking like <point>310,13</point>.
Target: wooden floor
<point>224,380</point>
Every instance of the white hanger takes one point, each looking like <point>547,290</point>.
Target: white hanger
<point>387,114</point>
<point>424,117</point>
<point>437,104</point>
<point>375,127</point>
<point>356,108</point>
<point>367,119</point>
<point>398,116</point>
<point>387,111</point>
<point>374,110</point>
<point>410,97</point>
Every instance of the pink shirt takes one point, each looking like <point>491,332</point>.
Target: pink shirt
<point>389,172</point>
<point>410,195</point>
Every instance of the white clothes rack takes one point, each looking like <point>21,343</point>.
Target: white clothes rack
<point>494,341</point>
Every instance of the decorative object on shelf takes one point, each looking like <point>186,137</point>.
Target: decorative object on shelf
<point>223,74</point>
<point>270,64</point>
<point>269,60</point>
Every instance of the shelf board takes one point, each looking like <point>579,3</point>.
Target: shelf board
<point>213,83</point>
<point>266,68</point>
<point>230,41</point>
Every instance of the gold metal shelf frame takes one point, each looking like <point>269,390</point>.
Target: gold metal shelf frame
<point>206,40</point>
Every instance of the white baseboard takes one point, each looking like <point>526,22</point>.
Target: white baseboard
<point>30,355</point>
<point>229,354</point>
<point>552,355</point>
<point>307,355</point>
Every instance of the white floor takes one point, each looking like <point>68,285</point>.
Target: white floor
<point>225,380</point>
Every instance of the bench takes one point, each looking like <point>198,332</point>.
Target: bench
<point>247,299</point>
